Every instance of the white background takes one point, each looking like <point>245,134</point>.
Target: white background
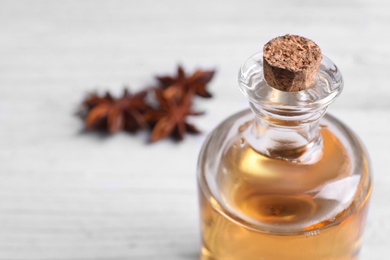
<point>65,194</point>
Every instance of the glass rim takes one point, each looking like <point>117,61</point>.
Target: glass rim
<point>326,88</point>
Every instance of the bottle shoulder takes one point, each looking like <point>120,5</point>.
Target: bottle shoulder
<point>298,195</point>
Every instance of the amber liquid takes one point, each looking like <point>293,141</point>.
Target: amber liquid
<point>272,209</point>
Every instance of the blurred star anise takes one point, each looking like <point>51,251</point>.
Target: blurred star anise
<point>115,114</point>
<point>196,82</point>
<point>170,119</point>
<point>165,115</point>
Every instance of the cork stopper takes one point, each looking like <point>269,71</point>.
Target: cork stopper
<point>291,62</point>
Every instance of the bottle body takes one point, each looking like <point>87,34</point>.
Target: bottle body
<point>260,206</point>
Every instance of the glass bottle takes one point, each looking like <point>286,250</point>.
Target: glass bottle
<point>283,180</point>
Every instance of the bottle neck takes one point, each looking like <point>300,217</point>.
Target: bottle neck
<point>287,123</point>
<point>285,135</point>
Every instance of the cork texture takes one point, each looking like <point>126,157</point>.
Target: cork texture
<point>291,62</point>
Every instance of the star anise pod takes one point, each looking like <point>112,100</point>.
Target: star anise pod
<point>170,118</point>
<point>115,114</point>
<point>197,82</point>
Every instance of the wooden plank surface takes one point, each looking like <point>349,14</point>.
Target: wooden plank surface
<point>69,195</point>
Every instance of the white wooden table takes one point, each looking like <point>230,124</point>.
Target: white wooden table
<point>69,195</point>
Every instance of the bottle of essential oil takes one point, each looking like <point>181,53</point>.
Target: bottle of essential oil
<point>284,180</point>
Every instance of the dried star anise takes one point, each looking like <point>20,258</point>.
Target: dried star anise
<point>115,114</point>
<point>166,116</point>
<point>170,119</point>
<point>196,82</point>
